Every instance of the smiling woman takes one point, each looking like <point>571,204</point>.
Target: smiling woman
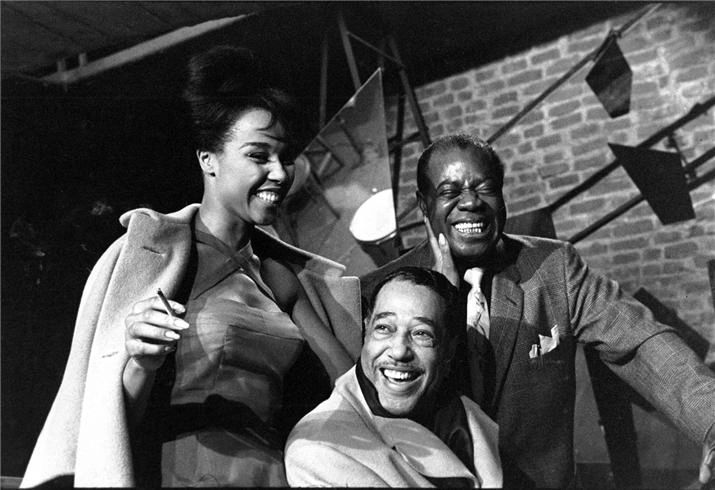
<point>191,393</point>
<point>246,180</point>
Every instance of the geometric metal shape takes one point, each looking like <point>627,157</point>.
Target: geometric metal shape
<point>304,179</point>
<point>352,163</point>
<point>610,79</point>
<point>535,223</point>
<point>660,177</point>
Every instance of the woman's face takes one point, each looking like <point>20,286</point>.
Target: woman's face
<point>249,178</point>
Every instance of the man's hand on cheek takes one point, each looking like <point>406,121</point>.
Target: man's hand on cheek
<point>443,261</point>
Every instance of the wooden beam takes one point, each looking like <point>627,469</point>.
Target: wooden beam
<point>140,51</point>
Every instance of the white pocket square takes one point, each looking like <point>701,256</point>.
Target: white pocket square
<point>546,344</point>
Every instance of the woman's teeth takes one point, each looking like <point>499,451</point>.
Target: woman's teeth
<point>399,375</point>
<point>268,196</point>
<point>471,227</point>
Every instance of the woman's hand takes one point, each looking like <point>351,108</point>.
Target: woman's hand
<point>151,333</point>
<point>443,261</point>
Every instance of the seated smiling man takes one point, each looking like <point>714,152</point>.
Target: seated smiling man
<point>393,419</point>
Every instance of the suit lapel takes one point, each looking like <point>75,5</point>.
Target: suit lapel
<point>507,303</point>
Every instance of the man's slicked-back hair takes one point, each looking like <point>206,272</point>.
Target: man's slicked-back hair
<point>223,83</point>
<point>461,141</point>
<point>434,281</point>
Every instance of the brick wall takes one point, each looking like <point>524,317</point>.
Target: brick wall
<point>564,140</point>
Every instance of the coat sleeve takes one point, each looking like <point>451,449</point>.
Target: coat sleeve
<point>334,297</point>
<point>55,451</point>
<point>649,356</point>
<point>337,301</point>
<point>319,464</point>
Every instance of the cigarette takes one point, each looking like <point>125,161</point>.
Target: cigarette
<point>165,302</point>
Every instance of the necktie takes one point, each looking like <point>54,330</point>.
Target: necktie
<point>477,331</point>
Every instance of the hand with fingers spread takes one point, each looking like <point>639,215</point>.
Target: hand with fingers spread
<point>443,261</point>
<point>152,332</point>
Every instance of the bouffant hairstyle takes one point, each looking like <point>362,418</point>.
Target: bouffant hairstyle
<point>223,83</point>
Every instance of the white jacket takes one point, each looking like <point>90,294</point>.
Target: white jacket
<point>341,443</point>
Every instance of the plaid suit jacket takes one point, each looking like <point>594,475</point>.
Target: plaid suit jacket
<point>543,283</point>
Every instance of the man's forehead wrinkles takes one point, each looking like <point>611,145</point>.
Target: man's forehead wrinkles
<point>383,314</point>
<point>463,180</point>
